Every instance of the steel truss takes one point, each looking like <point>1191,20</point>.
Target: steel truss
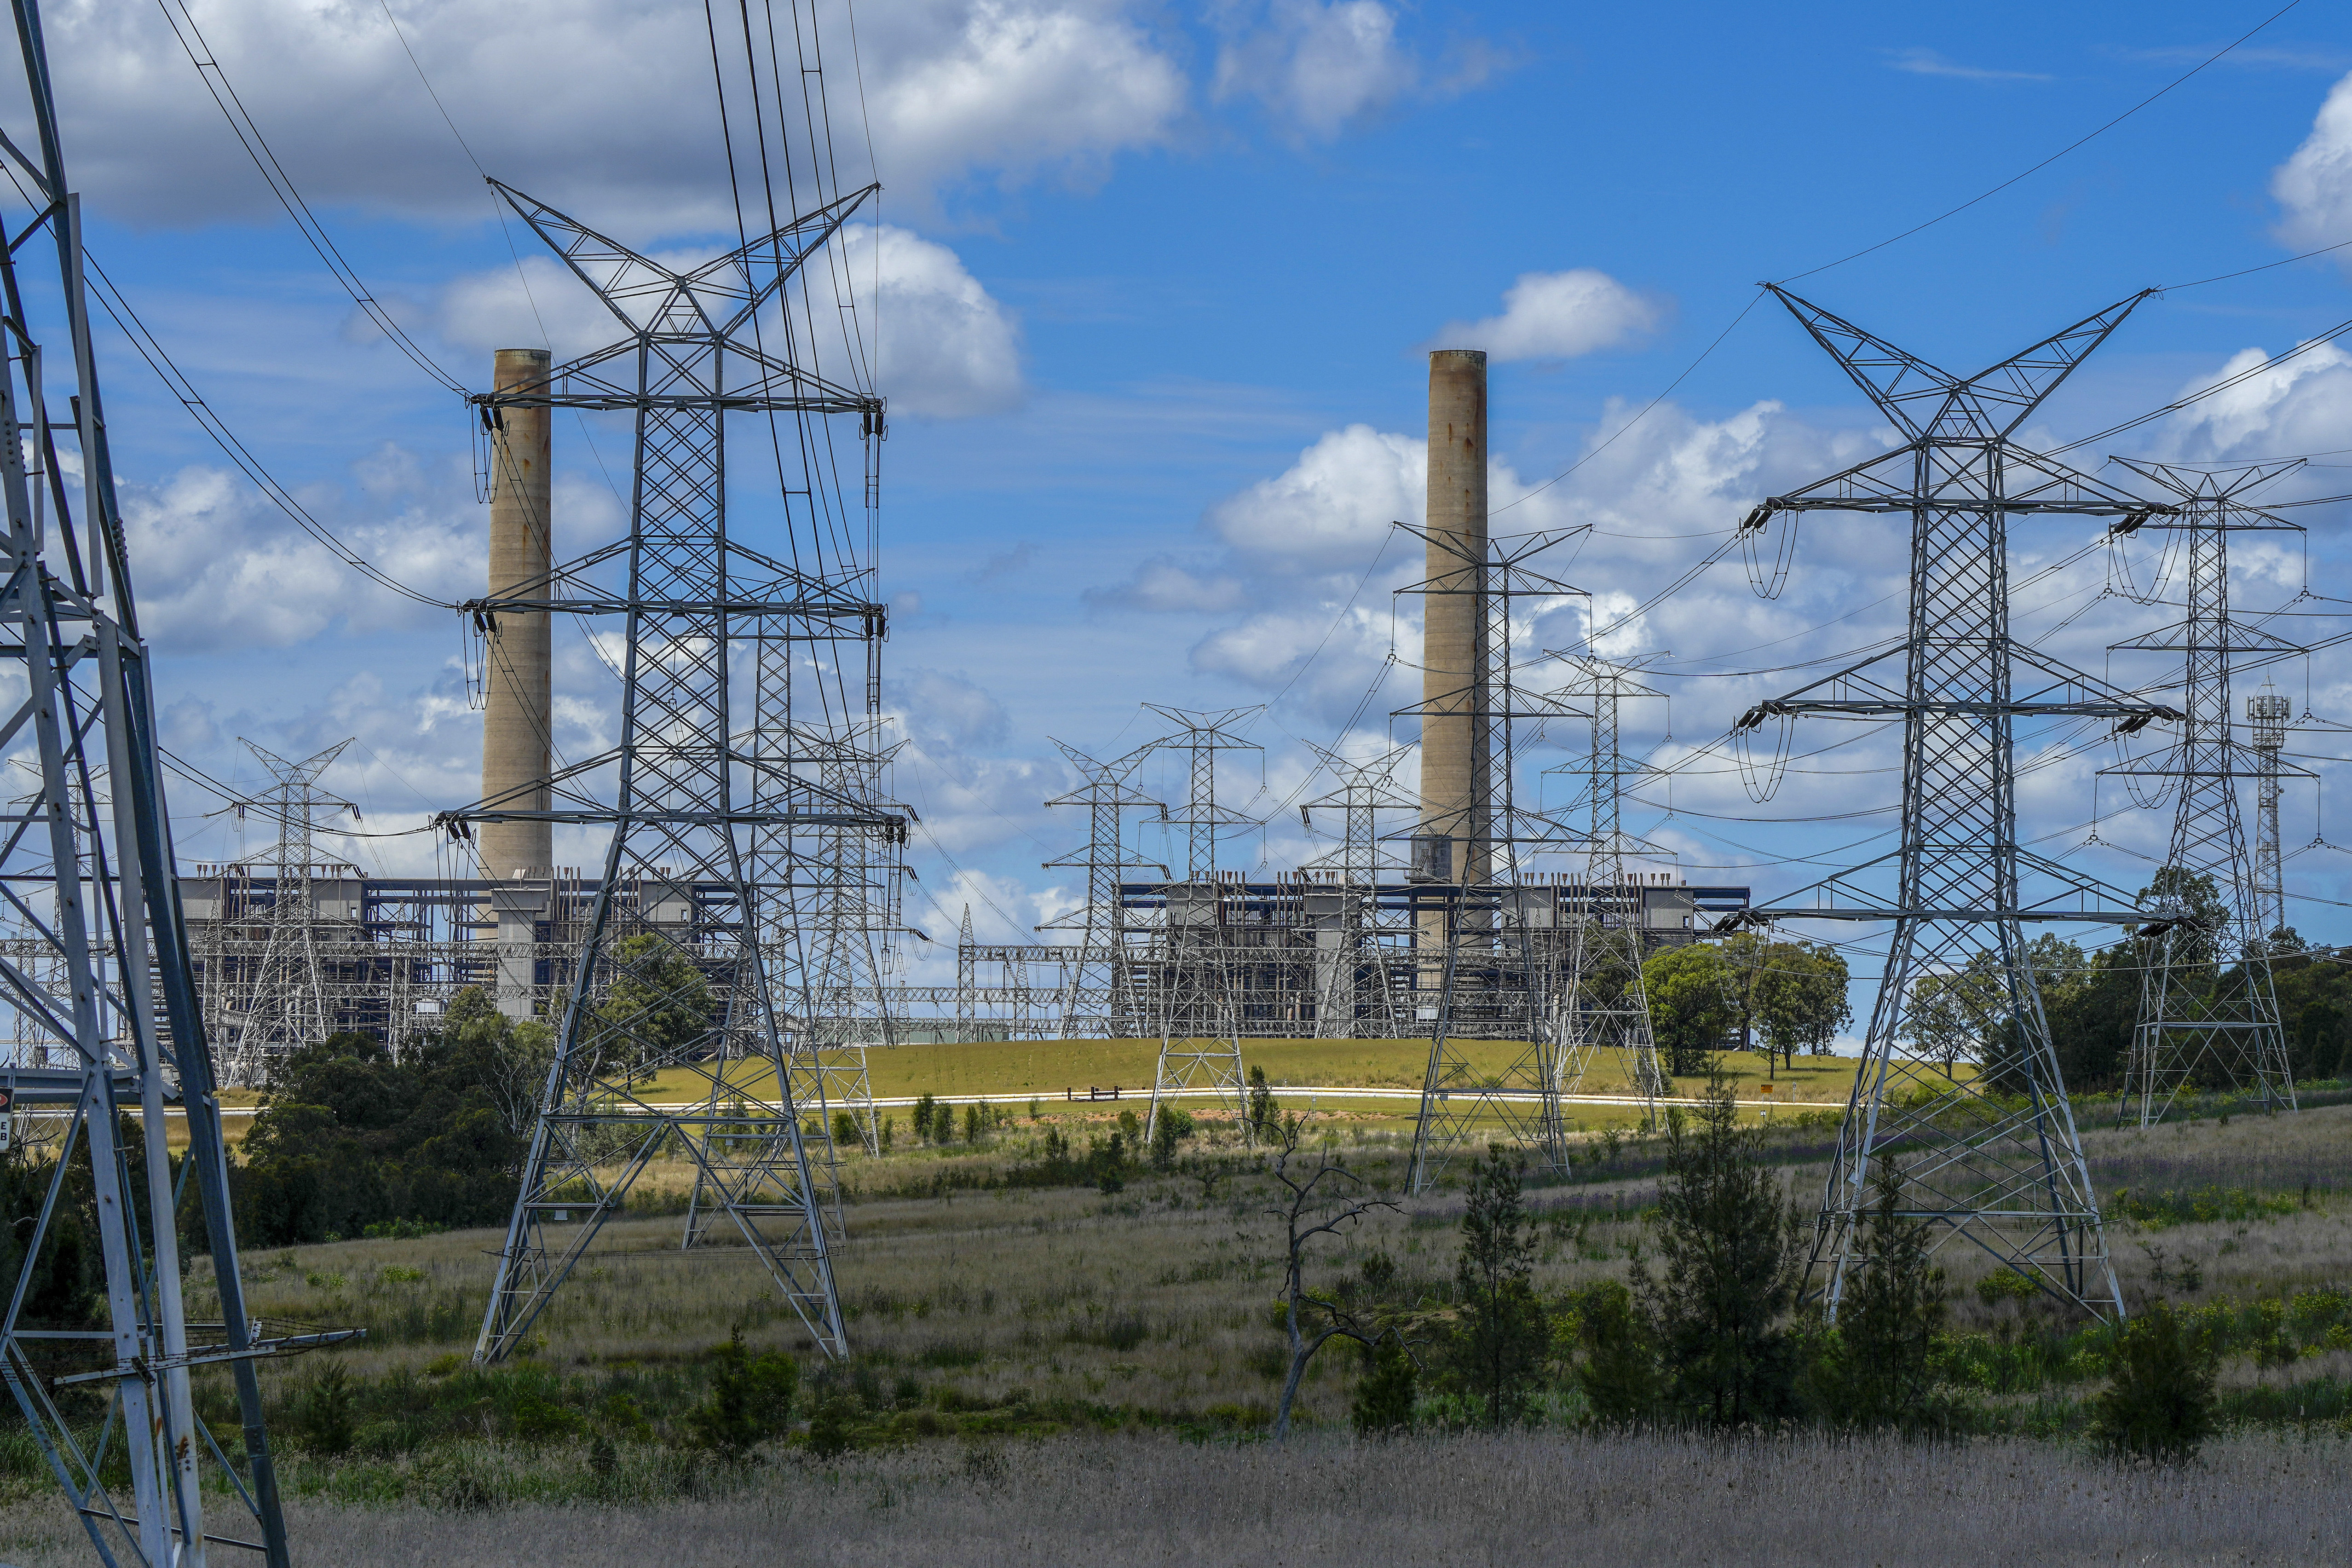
<point>699,1000</point>
<point>1192,999</point>
<point>99,983</point>
<point>2208,1014</point>
<point>1345,908</point>
<point>1604,1007</point>
<point>1095,996</point>
<point>273,980</point>
<point>1996,1161</point>
<point>1493,969</point>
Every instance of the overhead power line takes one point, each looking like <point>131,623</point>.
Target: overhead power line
<point>257,146</point>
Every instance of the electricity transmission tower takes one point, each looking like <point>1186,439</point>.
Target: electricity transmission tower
<point>1199,1020</point>
<point>2208,1016</point>
<point>1604,1006</point>
<point>1491,937</point>
<point>100,991</point>
<point>1099,999</point>
<point>277,998</point>
<point>2004,1170</point>
<point>665,990</point>
<point>1346,918</point>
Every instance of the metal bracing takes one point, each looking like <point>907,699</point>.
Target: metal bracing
<point>99,987</point>
<point>683,996</point>
<point>1994,1160</point>
<point>1096,998</point>
<point>1193,1000</point>
<point>1603,1007</point>
<point>1343,904</point>
<point>1485,969</point>
<point>277,972</point>
<point>2208,1014</point>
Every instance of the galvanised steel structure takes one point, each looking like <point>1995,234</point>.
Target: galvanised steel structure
<point>1349,935</point>
<point>1484,936</point>
<point>1192,993</point>
<point>1096,997</point>
<point>691,794</point>
<point>286,990</point>
<point>1994,1161</point>
<point>2266,717</point>
<point>1603,1007</point>
<point>100,983</point>
<point>2208,1016</point>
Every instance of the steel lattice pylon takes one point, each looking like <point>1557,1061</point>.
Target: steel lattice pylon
<point>276,1000</point>
<point>100,983</point>
<point>1347,955</point>
<point>1604,1007</point>
<point>1199,1019</point>
<point>1097,1000</point>
<point>1996,1160</point>
<point>1485,936</point>
<point>685,985</point>
<point>2209,1014</point>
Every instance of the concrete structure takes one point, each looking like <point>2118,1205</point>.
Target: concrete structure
<point>518,699</point>
<point>518,703</point>
<point>1457,722</point>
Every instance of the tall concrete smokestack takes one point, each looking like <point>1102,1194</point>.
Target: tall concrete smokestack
<point>516,713</point>
<point>1456,730</point>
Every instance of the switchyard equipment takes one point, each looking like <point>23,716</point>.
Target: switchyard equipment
<point>2209,1014</point>
<point>702,785</point>
<point>2004,1170</point>
<point>100,988</point>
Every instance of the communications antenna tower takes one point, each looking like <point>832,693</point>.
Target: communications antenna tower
<point>2266,717</point>
<point>101,993</point>
<point>683,996</point>
<point>2003,1170</point>
<point>2208,1014</point>
<point>1098,998</point>
<point>1604,1007</point>
<point>279,998</point>
<point>1198,1017</point>
<point>1488,939</point>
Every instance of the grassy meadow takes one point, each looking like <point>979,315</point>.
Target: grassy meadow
<point>1060,1373</point>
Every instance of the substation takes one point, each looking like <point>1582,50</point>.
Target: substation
<point>754,871</point>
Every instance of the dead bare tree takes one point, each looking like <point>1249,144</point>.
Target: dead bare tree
<point>1323,1200</point>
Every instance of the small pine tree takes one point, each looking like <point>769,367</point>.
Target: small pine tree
<point>829,1435</point>
<point>1384,1395</point>
<point>1499,1349</point>
<point>1733,1263</point>
<point>1876,1370</point>
<point>1619,1369</point>
<point>889,1132</point>
<point>974,1130</point>
<point>751,1398</point>
<point>1261,1123</point>
<point>1164,1134</point>
<point>2160,1405</point>
<point>925,1109</point>
<point>844,1130</point>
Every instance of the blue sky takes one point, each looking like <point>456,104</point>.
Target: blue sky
<point>1158,280</point>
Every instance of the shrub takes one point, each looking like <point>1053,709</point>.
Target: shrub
<point>1873,1369</point>
<point>829,1435</point>
<point>844,1130</point>
<point>751,1398</point>
<point>1384,1394</point>
<point>2160,1402</point>
<point>1260,1105</point>
<point>974,1123</point>
<point>323,1413</point>
<point>925,1109</point>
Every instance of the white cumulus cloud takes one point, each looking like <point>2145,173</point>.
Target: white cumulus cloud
<point>2314,187</point>
<point>1557,315</point>
<point>1317,67</point>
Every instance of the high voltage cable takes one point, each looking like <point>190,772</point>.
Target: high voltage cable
<point>110,299</point>
<point>281,186</point>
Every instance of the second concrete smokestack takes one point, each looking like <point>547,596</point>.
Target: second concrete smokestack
<point>1457,728</point>
<point>519,702</point>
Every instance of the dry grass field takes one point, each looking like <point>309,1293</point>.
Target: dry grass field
<point>1515,1500</point>
<point>1059,1373</point>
